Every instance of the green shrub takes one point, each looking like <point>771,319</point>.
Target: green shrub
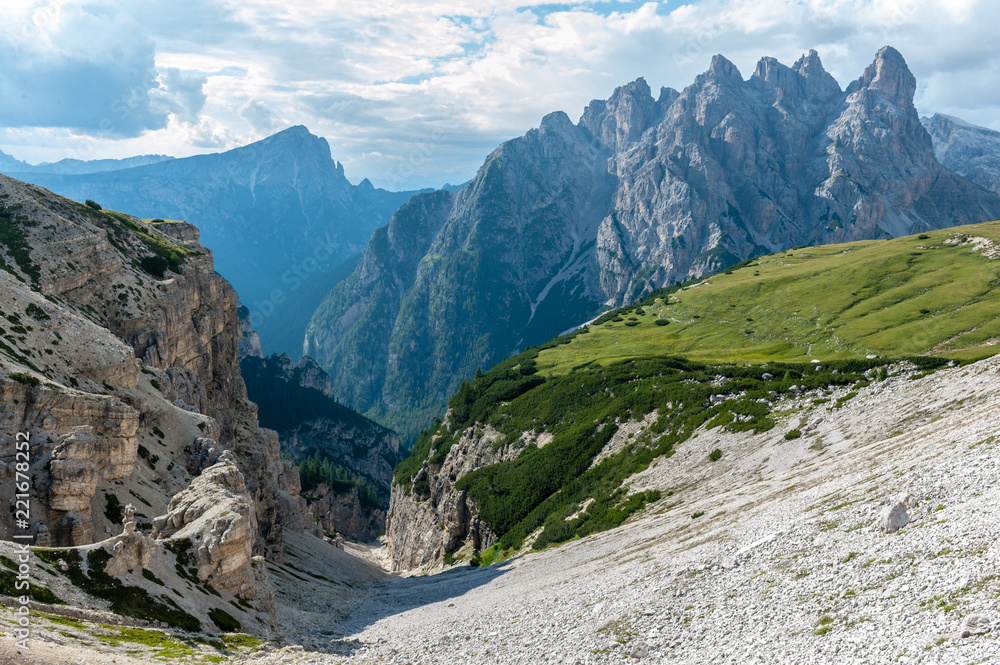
<point>13,237</point>
<point>26,379</point>
<point>94,205</point>
<point>148,574</point>
<point>224,620</point>
<point>124,599</point>
<point>715,455</point>
<point>662,322</point>
<point>36,312</point>
<point>793,434</point>
<point>154,265</point>
<point>113,509</point>
<point>9,587</point>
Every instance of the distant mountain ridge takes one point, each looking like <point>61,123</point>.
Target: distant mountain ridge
<point>278,213</point>
<point>642,192</point>
<point>9,164</point>
<point>971,151</point>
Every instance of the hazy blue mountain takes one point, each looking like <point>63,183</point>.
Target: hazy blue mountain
<point>642,192</point>
<point>10,165</point>
<point>277,213</point>
<point>286,332</point>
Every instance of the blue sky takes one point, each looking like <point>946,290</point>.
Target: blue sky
<point>417,93</point>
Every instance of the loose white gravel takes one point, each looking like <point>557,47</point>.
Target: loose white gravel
<point>785,566</point>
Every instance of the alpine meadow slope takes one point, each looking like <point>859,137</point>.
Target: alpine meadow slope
<point>643,192</point>
<point>932,293</point>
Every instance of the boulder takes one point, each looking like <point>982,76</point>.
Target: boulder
<point>894,516</point>
<point>974,624</point>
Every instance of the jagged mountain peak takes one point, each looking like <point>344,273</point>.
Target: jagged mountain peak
<point>722,67</point>
<point>295,142</point>
<point>11,163</point>
<point>806,79</point>
<point>969,150</point>
<point>635,90</point>
<point>667,96</point>
<point>890,75</point>
<point>557,120</point>
<point>623,118</point>
<point>773,74</point>
<point>809,62</point>
<point>952,122</point>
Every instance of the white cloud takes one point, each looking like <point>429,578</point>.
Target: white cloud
<point>259,116</point>
<point>413,93</point>
<point>179,95</point>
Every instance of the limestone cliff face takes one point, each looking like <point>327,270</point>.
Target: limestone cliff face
<point>434,518</point>
<point>642,192</point>
<point>120,361</point>
<point>345,513</point>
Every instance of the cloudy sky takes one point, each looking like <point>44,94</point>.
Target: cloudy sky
<point>417,93</point>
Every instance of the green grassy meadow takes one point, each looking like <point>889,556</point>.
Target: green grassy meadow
<point>916,295</point>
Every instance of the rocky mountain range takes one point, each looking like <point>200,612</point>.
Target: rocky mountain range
<point>972,152</point>
<point>277,213</point>
<point>791,459</point>
<point>641,192</point>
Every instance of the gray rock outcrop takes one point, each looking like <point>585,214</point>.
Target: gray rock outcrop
<point>216,514</point>
<point>121,360</point>
<point>433,518</point>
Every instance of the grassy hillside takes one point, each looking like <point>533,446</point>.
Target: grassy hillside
<point>933,294</point>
